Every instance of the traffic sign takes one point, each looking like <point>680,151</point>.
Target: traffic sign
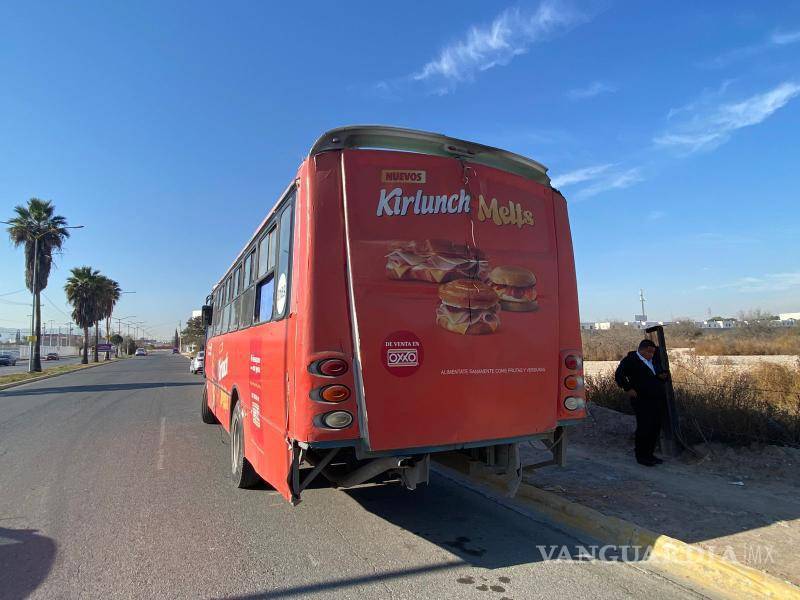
<point>104,347</point>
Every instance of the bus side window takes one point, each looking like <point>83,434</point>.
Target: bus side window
<point>264,295</point>
<point>249,294</point>
<point>226,312</point>
<point>236,302</point>
<point>284,256</point>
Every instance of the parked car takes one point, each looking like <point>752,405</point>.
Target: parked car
<point>52,356</point>
<point>7,360</point>
<point>198,362</point>
<point>140,352</point>
<point>175,351</point>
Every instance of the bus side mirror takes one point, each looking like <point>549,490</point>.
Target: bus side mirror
<point>208,313</point>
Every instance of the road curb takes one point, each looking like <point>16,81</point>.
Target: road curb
<point>678,558</point>
<point>14,384</point>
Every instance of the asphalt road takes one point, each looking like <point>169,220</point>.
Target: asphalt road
<point>22,364</point>
<point>112,487</point>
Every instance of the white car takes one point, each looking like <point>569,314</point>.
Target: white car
<point>196,364</point>
<point>140,352</point>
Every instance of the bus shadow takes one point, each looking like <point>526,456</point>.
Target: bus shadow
<point>26,558</point>
<point>476,529</point>
<point>106,387</point>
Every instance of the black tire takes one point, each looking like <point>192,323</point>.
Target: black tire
<point>205,412</point>
<point>242,473</point>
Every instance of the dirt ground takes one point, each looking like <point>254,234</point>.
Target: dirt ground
<point>741,503</point>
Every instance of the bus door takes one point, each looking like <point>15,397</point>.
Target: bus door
<point>268,345</point>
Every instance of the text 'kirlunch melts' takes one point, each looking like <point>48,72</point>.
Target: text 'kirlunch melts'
<point>392,203</point>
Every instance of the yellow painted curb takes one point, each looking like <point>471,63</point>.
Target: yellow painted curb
<point>701,567</point>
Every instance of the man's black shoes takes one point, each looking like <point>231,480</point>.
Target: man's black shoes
<point>657,460</point>
<point>648,462</point>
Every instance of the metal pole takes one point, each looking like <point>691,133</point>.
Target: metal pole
<point>671,431</point>
<point>33,301</point>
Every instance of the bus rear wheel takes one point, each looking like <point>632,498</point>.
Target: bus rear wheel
<point>205,412</point>
<point>242,473</point>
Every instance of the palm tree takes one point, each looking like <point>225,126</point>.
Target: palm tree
<point>110,293</point>
<point>83,293</point>
<point>41,231</point>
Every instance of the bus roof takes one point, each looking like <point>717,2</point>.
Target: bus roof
<point>411,140</point>
<point>385,137</point>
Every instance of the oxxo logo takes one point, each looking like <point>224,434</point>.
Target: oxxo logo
<point>402,353</point>
<point>402,358</point>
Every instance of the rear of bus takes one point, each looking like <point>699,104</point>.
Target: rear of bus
<point>441,312</point>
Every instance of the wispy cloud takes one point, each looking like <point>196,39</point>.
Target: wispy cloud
<point>655,215</point>
<point>598,179</point>
<point>769,282</point>
<point>710,126</point>
<point>580,175</point>
<point>484,47</point>
<point>713,238</point>
<point>777,38</point>
<point>614,181</point>
<point>595,88</point>
<point>782,38</point>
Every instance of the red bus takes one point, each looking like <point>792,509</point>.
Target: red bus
<point>410,295</point>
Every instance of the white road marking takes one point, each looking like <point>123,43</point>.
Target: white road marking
<point>161,444</point>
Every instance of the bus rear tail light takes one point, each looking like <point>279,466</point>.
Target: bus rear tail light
<point>329,367</point>
<point>337,419</point>
<point>574,403</point>
<point>334,393</point>
<point>573,382</point>
<point>573,362</point>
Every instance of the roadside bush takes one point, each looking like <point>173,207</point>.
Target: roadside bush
<point>728,405</point>
<point>610,344</point>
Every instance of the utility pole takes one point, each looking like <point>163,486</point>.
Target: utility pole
<point>180,338</point>
<point>641,299</point>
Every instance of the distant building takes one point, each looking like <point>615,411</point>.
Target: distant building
<point>719,324</point>
<point>787,319</point>
<point>596,326</point>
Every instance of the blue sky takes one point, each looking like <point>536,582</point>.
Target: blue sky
<point>168,129</point>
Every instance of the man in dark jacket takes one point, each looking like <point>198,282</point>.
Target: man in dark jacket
<point>643,381</point>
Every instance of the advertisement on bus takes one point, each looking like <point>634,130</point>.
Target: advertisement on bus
<point>454,289</point>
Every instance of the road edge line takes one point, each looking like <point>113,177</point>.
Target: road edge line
<point>688,562</point>
<point>13,384</point>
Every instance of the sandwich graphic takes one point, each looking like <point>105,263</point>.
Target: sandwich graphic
<point>515,287</point>
<point>435,261</point>
<point>468,307</point>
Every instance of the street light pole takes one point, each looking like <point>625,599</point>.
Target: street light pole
<point>31,362</point>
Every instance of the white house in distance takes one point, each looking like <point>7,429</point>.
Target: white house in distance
<point>719,324</point>
<point>596,326</point>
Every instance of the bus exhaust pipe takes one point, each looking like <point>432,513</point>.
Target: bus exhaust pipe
<point>381,465</point>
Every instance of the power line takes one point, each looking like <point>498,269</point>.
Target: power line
<point>54,306</point>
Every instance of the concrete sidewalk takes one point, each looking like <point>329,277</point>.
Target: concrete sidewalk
<point>740,504</point>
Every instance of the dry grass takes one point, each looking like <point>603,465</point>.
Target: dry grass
<point>759,405</point>
<point>613,344</point>
<point>746,342</point>
<point>17,377</point>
